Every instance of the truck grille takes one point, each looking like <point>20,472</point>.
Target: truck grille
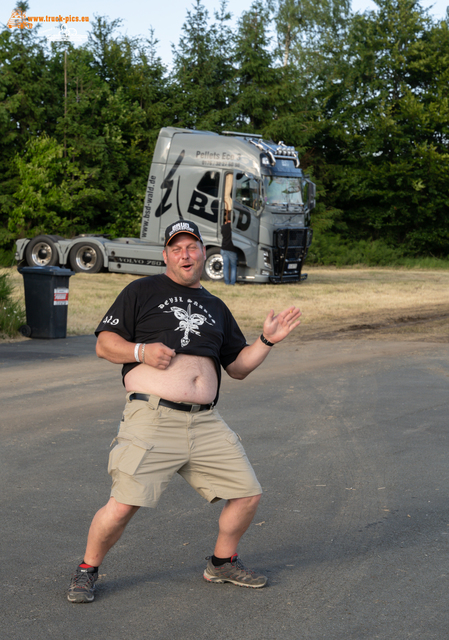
<point>290,238</point>
<point>288,253</point>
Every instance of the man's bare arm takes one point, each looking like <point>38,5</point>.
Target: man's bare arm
<point>116,349</point>
<point>275,329</point>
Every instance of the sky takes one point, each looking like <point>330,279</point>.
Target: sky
<point>166,19</point>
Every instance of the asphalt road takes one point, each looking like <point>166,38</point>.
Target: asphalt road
<point>350,442</point>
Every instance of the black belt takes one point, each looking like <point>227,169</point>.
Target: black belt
<point>179,406</point>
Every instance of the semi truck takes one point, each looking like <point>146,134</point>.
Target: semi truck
<point>203,176</point>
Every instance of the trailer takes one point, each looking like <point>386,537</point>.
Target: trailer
<point>199,175</point>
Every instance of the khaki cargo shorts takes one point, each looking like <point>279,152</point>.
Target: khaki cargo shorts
<point>154,442</point>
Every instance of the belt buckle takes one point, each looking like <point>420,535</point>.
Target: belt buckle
<point>195,408</point>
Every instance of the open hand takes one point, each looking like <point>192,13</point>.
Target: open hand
<point>277,327</point>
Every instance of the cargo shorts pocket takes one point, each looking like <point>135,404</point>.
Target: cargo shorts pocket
<point>233,443</point>
<point>128,454</point>
<point>233,438</point>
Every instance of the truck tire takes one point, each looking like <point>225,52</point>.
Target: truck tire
<point>213,267</point>
<point>86,257</point>
<point>41,251</point>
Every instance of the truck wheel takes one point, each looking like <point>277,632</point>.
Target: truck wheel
<point>86,257</point>
<point>213,267</point>
<point>41,251</point>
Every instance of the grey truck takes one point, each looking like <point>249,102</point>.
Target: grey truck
<point>197,175</point>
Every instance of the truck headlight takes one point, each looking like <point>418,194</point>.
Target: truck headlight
<point>266,258</point>
<point>281,239</point>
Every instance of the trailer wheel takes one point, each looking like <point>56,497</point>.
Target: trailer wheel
<point>86,257</point>
<point>41,251</point>
<point>213,267</point>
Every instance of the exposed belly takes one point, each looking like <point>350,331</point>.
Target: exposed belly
<point>191,379</point>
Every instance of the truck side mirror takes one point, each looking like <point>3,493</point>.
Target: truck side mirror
<point>311,201</point>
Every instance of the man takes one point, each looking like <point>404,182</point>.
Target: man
<point>228,252</point>
<point>172,337</point>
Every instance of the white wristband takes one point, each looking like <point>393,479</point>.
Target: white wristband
<point>142,354</point>
<point>136,352</point>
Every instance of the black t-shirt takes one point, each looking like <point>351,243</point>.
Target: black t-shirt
<point>190,321</point>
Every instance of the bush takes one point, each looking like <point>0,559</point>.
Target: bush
<point>332,249</point>
<point>12,314</point>
<point>7,258</point>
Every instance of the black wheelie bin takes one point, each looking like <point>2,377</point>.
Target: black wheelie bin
<point>46,301</point>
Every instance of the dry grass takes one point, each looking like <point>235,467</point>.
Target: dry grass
<point>375,302</point>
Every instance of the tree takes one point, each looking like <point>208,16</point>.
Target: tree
<point>257,79</point>
<point>299,21</point>
<point>28,106</point>
<point>130,64</point>
<point>202,79</point>
<point>385,134</point>
<point>103,105</point>
<point>105,137</point>
<point>52,191</point>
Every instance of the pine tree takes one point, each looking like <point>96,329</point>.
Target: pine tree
<point>257,78</point>
<point>202,79</point>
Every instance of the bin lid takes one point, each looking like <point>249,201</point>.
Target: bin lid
<point>47,271</point>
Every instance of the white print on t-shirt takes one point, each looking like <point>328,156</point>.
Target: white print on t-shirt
<point>178,300</point>
<point>189,322</point>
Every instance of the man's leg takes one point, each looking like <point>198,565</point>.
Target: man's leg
<point>233,259</point>
<point>226,263</point>
<point>234,520</point>
<point>106,528</point>
<point>225,565</point>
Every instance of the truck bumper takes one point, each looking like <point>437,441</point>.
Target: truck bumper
<point>288,278</point>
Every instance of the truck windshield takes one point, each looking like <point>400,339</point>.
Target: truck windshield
<point>284,190</point>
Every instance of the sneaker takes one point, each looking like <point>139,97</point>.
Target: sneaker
<point>82,585</point>
<point>234,572</point>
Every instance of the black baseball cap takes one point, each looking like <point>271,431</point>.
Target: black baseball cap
<point>182,226</point>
